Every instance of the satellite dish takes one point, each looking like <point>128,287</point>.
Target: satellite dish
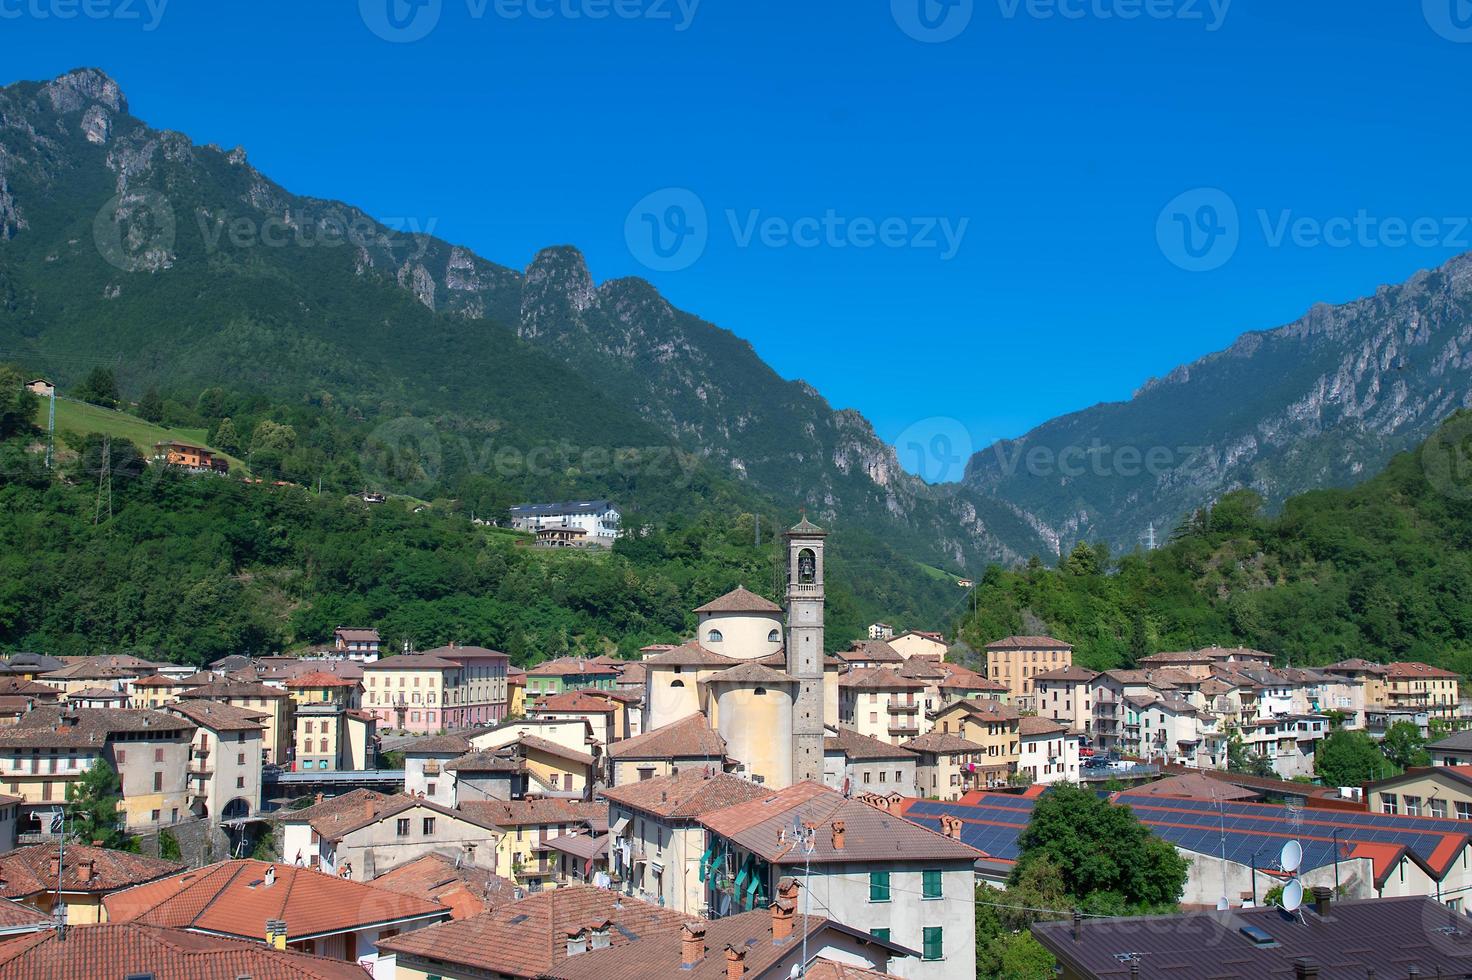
<point>1292,857</point>
<point>1292,896</point>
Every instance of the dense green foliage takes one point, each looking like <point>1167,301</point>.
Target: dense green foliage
<point>1103,852</point>
<point>93,814</point>
<point>1351,758</point>
<point>1382,571</point>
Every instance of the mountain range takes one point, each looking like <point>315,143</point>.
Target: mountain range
<point>183,266</point>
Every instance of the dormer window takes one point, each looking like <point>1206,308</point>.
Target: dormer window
<point>759,691</point>
<point>714,636</point>
<point>775,636</point>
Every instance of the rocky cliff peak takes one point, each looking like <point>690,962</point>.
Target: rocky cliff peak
<point>78,89</point>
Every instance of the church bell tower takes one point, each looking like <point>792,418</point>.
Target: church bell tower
<point>805,646</point>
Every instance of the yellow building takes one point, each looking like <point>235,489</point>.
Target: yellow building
<point>1423,688</point>
<point>29,875</point>
<point>559,769</point>
<point>1015,660</point>
<point>275,703</point>
<point>879,703</point>
<point>515,692</point>
<point>159,690</point>
<point>323,714</point>
<point>1443,791</point>
<point>990,724</point>
<point>522,854</point>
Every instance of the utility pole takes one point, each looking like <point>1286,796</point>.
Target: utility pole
<point>51,431</point>
<point>104,482</point>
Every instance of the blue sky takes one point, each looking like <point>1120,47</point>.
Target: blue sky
<point>833,144</point>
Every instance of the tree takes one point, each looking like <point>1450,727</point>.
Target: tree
<point>225,438</point>
<point>94,800</point>
<point>1349,759</point>
<point>151,406</point>
<point>17,403</point>
<point>1099,847</point>
<point>1242,759</point>
<point>99,388</point>
<point>168,846</point>
<point>1405,746</point>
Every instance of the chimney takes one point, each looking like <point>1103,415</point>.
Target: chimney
<point>270,876</point>
<point>735,963</point>
<point>692,945</point>
<point>838,835</point>
<point>85,870</point>
<point>1305,969</point>
<point>369,810</point>
<point>316,799</point>
<point>55,865</point>
<point>1078,926</point>
<point>1322,895</point>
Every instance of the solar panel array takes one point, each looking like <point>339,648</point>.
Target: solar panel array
<point>1246,832</point>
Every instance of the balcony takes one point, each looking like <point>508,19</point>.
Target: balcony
<point>431,768</point>
<point>903,709</point>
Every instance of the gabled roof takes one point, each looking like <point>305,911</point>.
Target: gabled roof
<point>1414,669</point>
<point>219,716</point>
<point>334,819</point>
<point>411,661</point>
<point>550,747</point>
<point>1034,727</point>
<point>689,738</point>
<point>520,813</point>
<point>571,667</point>
<point>235,689</point>
<point>942,743</point>
<point>740,601</point>
<point>689,793</point>
<point>451,744</point>
<point>466,889</point>
<point>986,709</point>
<point>457,653</point>
<point>28,870</point>
<point>878,679</point>
<point>576,702</point>
<point>64,726</point>
<point>1028,643</point>
<point>235,898</point>
<point>131,950</point>
<point>1358,665</point>
<point>920,669</point>
<point>487,760</point>
<point>690,654</point>
<point>320,678</point>
<point>1073,673</point>
<point>869,834</point>
<point>856,746</point>
<point>871,651</point>
<point>528,938</point>
<point>352,634</point>
<point>751,673</point>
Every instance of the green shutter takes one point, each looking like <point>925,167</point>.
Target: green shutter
<point>881,934</point>
<point>879,886</point>
<point>751,889</point>
<point>933,944</point>
<point>930,884</point>
<point>705,862</point>
<point>743,873</point>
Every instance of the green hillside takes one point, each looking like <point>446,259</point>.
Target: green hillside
<point>80,419</point>
<point>1382,570</point>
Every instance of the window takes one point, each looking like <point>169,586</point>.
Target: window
<point>1438,808</point>
<point>881,934</point>
<point>158,755</point>
<point>774,637</point>
<point>122,757</point>
<point>429,788</point>
<point>158,782</point>
<point>1389,803</point>
<point>1464,810</point>
<point>930,886</point>
<point>428,826</point>
<point>714,636</point>
<point>1413,805</point>
<point>933,944</point>
<point>879,886</point>
<point>402,829</point>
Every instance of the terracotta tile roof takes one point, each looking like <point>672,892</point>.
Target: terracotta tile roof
<point>411,661</point>
<point>987,709</point>
<point>778,661</point>
<point>458,653</point>
<point>878,679</point>
<point>63,726</point>
<point>29,870</point>
<point>235,898</point>
<point>487,760</point>
<point>870,834</point>
<point>521,813</point>
<point>1358,665</point>
<point>633,673</point>
<point>1074,673</point>
<point>466,890</point>
<point>336,818</point>
<point>88,670</point>
<point>16,918</point>
<point>11,704</point>
<point>320,678</point>
<point>920,669</point>
<point>740,601</point>
<point>218,716</point>
<point>750,933</point>
<point>235,689</point>
<point>353,634</point>
<point>689,793</point>
<point>965,679</point>
<point>571,667</point>
<point>1194,786</point>
<point>942,743</point>
<point>1412,669</point>
<point>1028,643</point>
<point>122,950</point>
<point>575,702</point>
<point>437,745</point>
<point>529,938</point>
<point>689,738</point>
<point>24,688</point>
<point>1033,727</point>
<point>822,969</point>
<point>856,746</point>
<point>538,744</point>
<point>876,651</point>
<point>690,654</point>
<point>751,672</point>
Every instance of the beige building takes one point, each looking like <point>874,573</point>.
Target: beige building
<point>689,743</point>
<point>992,725</point>
<point>948,766</point>
<point>1440,791</point>
<point>1423,688</point>
<point>854,764</point>
<point>919,643</point>
<point>161,689</point>
<point>1066,695</point>
<point>224,759</point>
<point>275,703</point>
<point>741,625</point>
<point>522,854</point>
<point>658,843</point>
<point>879,703</point>
<point>1016,660</point>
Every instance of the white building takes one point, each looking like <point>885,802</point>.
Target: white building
<point>598,519</point>
<point>1048,752</point>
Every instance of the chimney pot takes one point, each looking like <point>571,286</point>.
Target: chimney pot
<point>85,870</point>
<point>1078,925</point>
<point>735,963</point>
<point>838,835</point>
<point>1305,969</point>
<point>692,945</point>
<point>1322,896</point>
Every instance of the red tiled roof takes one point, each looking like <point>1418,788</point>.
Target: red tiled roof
<point>233,898</point>
<point>575,702</point>
<point>751,672</point>
<point>466,889</point>
<point>334,819</point>
<point>218,715</point>
<point>690,793</point>
<point>411,661</point>
<point>118,950</point>
<point>529,937</point>
<point>823,969</point>
<point>320,678</point>
<point>28,870</point>
<point>878,679</point>
<point>689,738</point>
<point>16,918</point>
<point>876,651</point>
<point>987,709</point>
<point>352,634</point>
<point>740,601</point>
<point>1029,643</point>
<point>1399,671</point>
<point>1074,673</point>
<point>571,667</point>
<point>691,654</point>
<point>1032,727</point>
<point>538,744</point>
<point>942,743</point>
<point>521,813</point>
<point>856,746</point>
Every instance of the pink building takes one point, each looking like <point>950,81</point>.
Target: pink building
<point>412,692</point>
